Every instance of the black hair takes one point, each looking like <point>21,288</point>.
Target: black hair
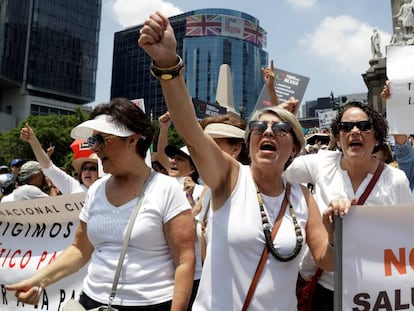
<point>379,123</point>
<point>129,114</point>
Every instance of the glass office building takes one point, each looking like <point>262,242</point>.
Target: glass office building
<point>48,50</point>
<point>206,39</point>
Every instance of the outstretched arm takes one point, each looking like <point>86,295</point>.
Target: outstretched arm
<point>269,80</point>
<point>29,136</point>
<point>291,104</point>
<point>164,122</point>
<point>158,40</point>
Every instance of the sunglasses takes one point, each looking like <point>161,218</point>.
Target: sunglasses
<point>91,168</point>
<point>361,125</point>
<point>98,140</point>
<point>278,128</point>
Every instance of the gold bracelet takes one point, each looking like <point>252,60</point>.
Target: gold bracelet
<point>169,72</point>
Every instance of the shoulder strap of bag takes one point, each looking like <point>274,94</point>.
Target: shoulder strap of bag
<point>371,184</point>
<point>318,273</point>
<point>265,252</point>
<point>125,242</point>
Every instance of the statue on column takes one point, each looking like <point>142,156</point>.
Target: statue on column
<point>376,44</point>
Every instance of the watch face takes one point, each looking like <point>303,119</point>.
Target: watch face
<point>167,73</point>
<point>166,76</point>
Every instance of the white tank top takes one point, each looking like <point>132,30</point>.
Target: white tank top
<point>235,245</point>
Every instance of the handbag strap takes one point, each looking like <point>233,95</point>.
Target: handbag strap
<point>318,274</point>
<point>125,242</point>
<point>371,184</point>
<point>265,252</point>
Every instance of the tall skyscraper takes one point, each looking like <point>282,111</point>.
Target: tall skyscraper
<point>48,56</point>
<point>206,39</point>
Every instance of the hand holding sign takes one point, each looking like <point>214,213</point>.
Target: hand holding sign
<point>26,292</point>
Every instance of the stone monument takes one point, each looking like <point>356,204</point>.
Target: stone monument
<point>376,44</point>
<point>403,22</point>
<point>224,93</point>
<point>402,14</point>
<point>375,76</point>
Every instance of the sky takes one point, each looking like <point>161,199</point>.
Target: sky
<point>325,40</point>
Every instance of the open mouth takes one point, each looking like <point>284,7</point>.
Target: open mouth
<point>267,146</point>
<point>355,143</point>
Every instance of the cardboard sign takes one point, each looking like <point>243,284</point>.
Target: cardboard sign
<point>32,234</point>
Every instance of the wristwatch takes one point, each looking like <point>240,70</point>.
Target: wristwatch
<point>168,73</point>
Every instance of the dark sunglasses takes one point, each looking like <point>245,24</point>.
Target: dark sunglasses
<point>361,125</point>
<point>98,140</point>
<point>91,168</point>
<point>278,128</point>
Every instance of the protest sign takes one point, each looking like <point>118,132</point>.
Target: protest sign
<point>377,258</point>
<point>32,234</point>
<point>287,84</point>
<point>400,72</point>
<point>326,118</point>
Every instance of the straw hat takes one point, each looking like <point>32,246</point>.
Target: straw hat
<point>78,163</point>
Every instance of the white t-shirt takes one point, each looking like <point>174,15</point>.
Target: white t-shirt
<point>323,169</point>
<point>235,244</point>
<point>28,192</point>
<point>8,198</point>
<point>65,183</point>
<point>147,275</point>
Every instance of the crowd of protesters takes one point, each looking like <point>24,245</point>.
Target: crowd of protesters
<point>217,193</point>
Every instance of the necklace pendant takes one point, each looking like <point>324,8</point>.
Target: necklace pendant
<point>266,226</point>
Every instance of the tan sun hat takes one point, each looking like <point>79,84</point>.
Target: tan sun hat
<point>78,163</point>
<point>223,130</point>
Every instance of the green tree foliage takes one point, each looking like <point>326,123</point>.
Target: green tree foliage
<point>55,130</point>
<point>50,130</point>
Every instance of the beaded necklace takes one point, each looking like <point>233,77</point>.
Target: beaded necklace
<point>268,234</point>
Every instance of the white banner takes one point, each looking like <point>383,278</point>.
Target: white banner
<point>232,26</point>
<point>325,118</point>
<point>32,234</point>
<point>378,258</point>
<point>400,72</point>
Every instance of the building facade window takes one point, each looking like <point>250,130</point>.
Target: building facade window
<point>233,37</point>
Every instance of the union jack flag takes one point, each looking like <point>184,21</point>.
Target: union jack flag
<point>262,40</point>
<point>203,25</point>
<point>253,33</point>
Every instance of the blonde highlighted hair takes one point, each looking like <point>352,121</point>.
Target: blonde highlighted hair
<point>286,116</point>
